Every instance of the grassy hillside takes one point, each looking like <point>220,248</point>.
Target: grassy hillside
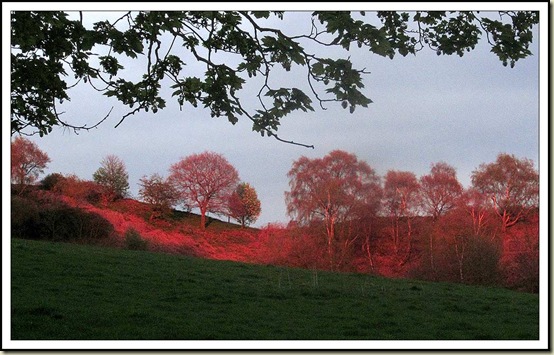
<point>66,291</point>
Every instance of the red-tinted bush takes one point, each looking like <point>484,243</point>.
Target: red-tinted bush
<point>82,190</point>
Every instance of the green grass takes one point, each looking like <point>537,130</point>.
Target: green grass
<point>64,291</point>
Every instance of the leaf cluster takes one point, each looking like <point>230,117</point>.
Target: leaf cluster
<point>50,48</point>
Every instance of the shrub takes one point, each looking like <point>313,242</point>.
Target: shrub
<point>93,226</point>
<point>52,182</point>
<point>525,273</point>
<point>63,223</point>
<point>482,261</point>
<point>24,217</point>
<point>134,241</point>
<point>294,247</point>
<point>46,217</point>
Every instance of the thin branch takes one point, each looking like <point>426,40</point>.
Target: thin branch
<point>267,130</point>
<point>140,107</point>
<point>77,128</point>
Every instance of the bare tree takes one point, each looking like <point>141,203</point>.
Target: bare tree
<point>159,192</point>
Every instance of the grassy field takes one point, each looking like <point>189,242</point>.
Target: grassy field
<point>64,291</point>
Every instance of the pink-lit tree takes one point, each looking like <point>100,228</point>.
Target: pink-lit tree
<point>401,202</point>
<point>159,192</point>
<point>244,205</point>
<point>331,189</point>
<point>27,162</point>
<point>206,181</point>
<point>512,186</point>
<point>440,190</point>
<point>477,206</point>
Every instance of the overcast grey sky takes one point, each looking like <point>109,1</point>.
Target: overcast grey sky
<point>426,108</point>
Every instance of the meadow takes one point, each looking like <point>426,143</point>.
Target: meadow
<point>80,292</point>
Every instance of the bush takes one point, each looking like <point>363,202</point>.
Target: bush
<point>525,273</point>
<point>48,218</point>
<point>134,241</point>
<point>482,262</point>
<point>81,190</point>
<point>24,217</point>
<point>52,182</point>
<point>293,247</point>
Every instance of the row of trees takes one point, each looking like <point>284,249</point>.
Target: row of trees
<point>343,195</point>
<point>430,224</point>
<point>206,181</point>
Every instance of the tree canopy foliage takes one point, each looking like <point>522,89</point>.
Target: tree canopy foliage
<point>53,51</point>
<point>331,189</point>
<point>440,189</point>
<point>27,162</point>
<point>244,205</point>
<point>204,180</point>
<point>512,184</point>
<point>158,191</point>
<point>113,175</point>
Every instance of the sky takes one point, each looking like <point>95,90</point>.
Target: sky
<point>426,108</point>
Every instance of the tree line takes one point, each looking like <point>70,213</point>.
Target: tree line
<point>332,189</point>
<point>206,181</point>
<point>340,201</point>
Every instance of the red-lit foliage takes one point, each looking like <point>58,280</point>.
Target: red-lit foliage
<point>296,247</point>
<point>206,181</point>
<point>160,193</point>
<point>344,221</point>
<point>244,205</point>
<point>461,255</point>
<point>520,254</point>
<point>512,185</point>
<point>401,204</point>
<point>440,189</point>
<point>329,192</point>
<point>81,190</point>
<point>27,162</point>
<point>488,258</point>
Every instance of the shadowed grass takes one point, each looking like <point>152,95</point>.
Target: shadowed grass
<point>64,291</point>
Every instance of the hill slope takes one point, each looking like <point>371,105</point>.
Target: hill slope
<point>178,233</point>
<point>66,291</point>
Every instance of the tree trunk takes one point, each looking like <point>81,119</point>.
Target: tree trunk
<point>202,218</point>
<point>330,237</point>
<point>409,252</point>
<point>431,252</point>
<point>460,256</point>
